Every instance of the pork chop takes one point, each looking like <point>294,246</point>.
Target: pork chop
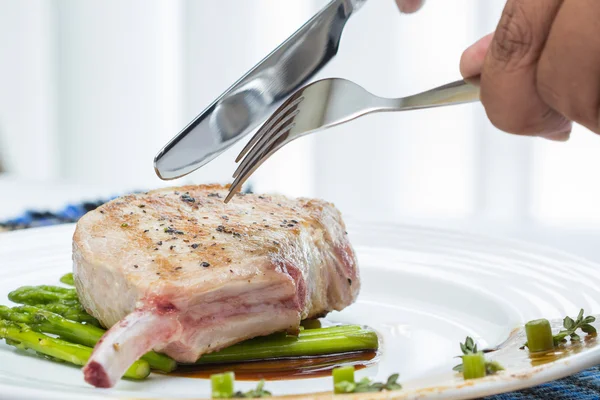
<point>179,271</point>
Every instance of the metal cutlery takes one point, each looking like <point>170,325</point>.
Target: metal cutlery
<point>258,93</point>
<point>331,102</point>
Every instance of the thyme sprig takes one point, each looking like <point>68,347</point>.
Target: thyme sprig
<point>571,326</point>
<point>366,385</point>
<point>258,392</point>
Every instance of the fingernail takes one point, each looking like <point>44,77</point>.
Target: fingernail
<point>410,6</point>
<point>561,136</point>
<point>471,61</point>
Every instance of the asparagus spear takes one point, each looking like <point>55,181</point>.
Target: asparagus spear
<point>22,337</point>
<point>43,294</point>
<point>74,312</point>
<point>339,340</point>
<point>44,321</point>
<point>55,299</point>
<point>332,329</point>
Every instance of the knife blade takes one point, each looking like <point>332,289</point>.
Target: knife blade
<point>249,101</point>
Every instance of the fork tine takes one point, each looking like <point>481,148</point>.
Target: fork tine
<point>266,138</point>
<point>240,180</point>
<point>284,108</point>
<point>256,153</point>
<point>257,160</point>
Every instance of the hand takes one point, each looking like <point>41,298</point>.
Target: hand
<point>540,70</point>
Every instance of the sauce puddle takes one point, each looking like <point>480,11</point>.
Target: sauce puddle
<point>283,368</point>
<point>514,357</point>
<point>563,350</point>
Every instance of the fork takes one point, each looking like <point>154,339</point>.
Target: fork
<point>329,102</point>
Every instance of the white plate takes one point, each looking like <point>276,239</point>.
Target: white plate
<point>423,291</point>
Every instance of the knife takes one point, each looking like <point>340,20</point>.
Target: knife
<point>253,98</point>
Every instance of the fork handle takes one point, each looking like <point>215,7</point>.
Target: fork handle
<point>459,92</point>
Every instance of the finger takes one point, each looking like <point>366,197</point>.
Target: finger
<point>508,79</point>
<point>569,68</point>
<point>409,6</point>
<point>471,61</point>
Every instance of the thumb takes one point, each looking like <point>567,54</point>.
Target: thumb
<point>471,61</point>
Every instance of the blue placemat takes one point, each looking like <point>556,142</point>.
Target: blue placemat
<point>582,386</point>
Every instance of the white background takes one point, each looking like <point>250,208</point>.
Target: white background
<point>90,91</point>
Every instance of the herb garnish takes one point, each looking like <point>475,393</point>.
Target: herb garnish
<point>259,391</point>
<point>470,347</point>
<point>366,385</point>
<point>571,326</point>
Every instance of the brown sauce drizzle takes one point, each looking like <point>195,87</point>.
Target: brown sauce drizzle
<point>284,368</point>
<point>513,334</point>
<point>281,369</point>
<point>563,350</point>
<point>513,356</point>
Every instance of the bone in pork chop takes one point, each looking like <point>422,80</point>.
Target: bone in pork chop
<point>180,272</point>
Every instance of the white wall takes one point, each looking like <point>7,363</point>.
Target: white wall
<point>28,143</point>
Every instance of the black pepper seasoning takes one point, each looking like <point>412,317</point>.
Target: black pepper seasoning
<point>187,198</point>
<point>205,264</point>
